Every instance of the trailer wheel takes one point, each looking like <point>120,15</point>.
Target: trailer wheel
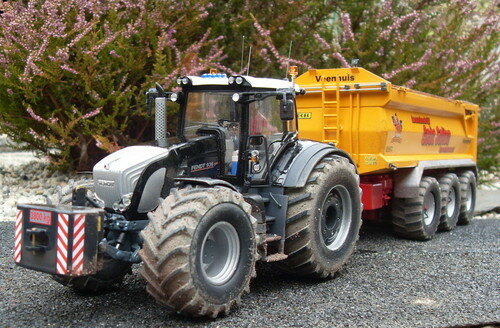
<point>112,272</point>
<point>468,197</point>
<point>450,201</point>
<point>418,218</point>
<point>199,251</point>
<point>323,220</point>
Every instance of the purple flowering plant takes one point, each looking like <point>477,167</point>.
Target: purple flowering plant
<point>71,72</point>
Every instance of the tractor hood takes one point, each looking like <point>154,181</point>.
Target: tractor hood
<point>116,175</point>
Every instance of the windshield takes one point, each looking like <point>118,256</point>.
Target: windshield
<point>265,119</point>
<point>211,109</point>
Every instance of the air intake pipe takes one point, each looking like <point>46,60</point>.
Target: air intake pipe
<point>159,96</point>
<point>161,121</point>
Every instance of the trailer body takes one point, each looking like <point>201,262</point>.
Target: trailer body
<point>394,134</point>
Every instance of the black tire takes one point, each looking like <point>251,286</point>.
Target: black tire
<point>323,220</point>
<point>468,197</point>
<point>450,201</point>
<point>172,251</point>
<point>112,271</point>
<point>410,217</point>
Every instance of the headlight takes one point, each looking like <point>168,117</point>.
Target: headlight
<point>127,199</point>
<point>239,80</point>
<point>185,80</point>
<point>123,204</point>
<point>179,81</point>
<point>236,97</point>
<point>173,97</point>
<point>230,80</point>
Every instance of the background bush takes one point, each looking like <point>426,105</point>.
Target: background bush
<point>72,73</point>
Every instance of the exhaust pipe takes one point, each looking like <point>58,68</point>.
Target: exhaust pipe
<point>161,121</point>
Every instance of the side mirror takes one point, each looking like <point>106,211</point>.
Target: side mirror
<point>256,140</point>
<point>287,112</point>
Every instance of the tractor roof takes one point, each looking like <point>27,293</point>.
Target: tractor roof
<point>254,82</point>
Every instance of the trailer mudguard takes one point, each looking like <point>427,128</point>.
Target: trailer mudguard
<point>299,163</point>
<point>407,180</point>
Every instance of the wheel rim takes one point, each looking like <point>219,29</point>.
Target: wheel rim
<point>220,253</point>
<point>468,202</point>
<point>336,217</point>
<point>450,207</point>
<point>429,208</point>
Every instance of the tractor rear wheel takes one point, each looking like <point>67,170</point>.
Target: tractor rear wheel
<point>450,201</point>
<point>199,251</point>
<point>323,220</point>
<point>468,197</point>
<point>418,218</point>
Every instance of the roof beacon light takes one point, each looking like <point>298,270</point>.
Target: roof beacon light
<point>293,71</point>
<point>213,74</point>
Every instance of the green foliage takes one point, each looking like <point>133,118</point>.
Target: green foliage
<point>446,48</point>
<point>73,73</point>
<point>489,141</point>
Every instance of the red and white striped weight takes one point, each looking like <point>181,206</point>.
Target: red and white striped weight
<point>62,244</point>
<point>78,243</point>
<point>18,236</point>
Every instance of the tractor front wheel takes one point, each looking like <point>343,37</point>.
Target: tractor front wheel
<point>199,251</point>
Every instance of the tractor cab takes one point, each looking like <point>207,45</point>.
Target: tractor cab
<point>250,118</point>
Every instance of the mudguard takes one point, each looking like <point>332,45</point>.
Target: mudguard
<point>209,182</point>
<point>298,163</point>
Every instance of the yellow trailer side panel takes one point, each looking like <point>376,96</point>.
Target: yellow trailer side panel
<point>380,125</point>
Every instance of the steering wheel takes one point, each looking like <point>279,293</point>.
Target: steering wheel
<point>227,123</point>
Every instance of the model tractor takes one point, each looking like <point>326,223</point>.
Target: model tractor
<point>237,187</point>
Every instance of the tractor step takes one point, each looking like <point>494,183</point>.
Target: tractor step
<point>271,237</point>
<point>270,219</point>
<point>276,257</point>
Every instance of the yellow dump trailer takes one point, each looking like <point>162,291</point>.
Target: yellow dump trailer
<point>396,136</point>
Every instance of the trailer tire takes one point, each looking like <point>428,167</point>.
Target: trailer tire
<point>323,220</point>
<point>410,216</point>
<point>185,232</point>
<point>112,272</point>
<point>450,201</point>
<point>468,197</point>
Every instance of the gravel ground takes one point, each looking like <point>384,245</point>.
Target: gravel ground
<point>30,182</point>
<point>451,280</point>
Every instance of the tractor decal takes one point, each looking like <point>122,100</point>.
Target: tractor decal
<point>62,244</point>
<point>398,125</point>
<point>18,236</point>
<point>78,243</point>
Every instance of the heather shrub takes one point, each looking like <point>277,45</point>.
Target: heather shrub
<point>73,73</point>
<point>447,48</point>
